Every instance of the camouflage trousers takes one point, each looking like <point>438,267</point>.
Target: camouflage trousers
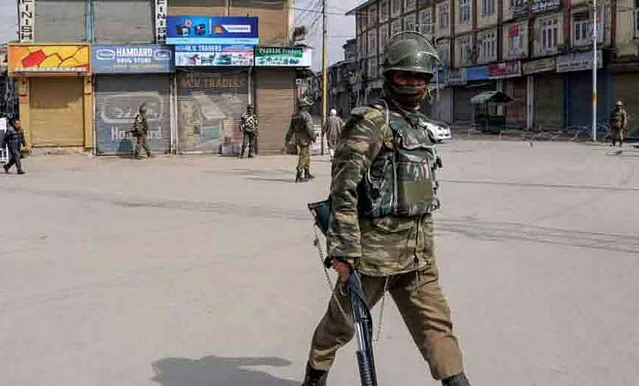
<point>142,143</point>
<point>423,307</point>
<point>304,159</point>
<point>248,138</point>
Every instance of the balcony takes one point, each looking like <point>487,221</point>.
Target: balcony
<point>539,6</point>
<point>520,10</point>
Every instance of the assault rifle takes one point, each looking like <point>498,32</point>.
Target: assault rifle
<point>361,313</point>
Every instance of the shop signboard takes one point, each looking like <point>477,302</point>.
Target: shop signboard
<point>213,55</point>
<point>212,30</point>
<point>109,59</point>
<point>49,58</point>
<point>282,57</point>
<point>579,61</point>
<point>539,65</point>
<point>504,70</point>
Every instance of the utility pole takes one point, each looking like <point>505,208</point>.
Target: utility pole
<point>594,70</point>
<point>324,71</point>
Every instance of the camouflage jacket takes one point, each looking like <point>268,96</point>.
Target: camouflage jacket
<point>140,126</point>
<point>618,119</point>
<point>248,123</point>
<point>301,129</point>
<point>378,246</point>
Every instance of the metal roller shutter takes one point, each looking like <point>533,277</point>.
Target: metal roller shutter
<point>549,100</point>
<point>118,98</point>
<point>626,91</point>
<point>210,105</point>
<point>57,111</point>
<point>275,104</point>
<point>579,101</point>
<point>516,110</point>
<point>463,110</point>
<point>124,21</point>
<point>50,15</point>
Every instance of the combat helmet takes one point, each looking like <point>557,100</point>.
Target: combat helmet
<point>410,51</point>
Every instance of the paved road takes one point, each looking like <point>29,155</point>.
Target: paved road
<point>199,271</point>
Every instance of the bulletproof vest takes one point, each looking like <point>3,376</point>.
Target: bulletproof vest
<point>401,180</point>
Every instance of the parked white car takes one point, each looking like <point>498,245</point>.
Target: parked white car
<point>439,130</point>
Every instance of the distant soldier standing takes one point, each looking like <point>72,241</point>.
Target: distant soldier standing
<point>248,127</point>
<point>618,123</point>
<point>302,128</point>
<point>332,130</point>
<point>14,139</point>
<point>140,132</point>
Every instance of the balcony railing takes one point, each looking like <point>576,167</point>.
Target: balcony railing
<point>545,5</point>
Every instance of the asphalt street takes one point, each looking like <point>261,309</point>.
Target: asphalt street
<point>200,270</point>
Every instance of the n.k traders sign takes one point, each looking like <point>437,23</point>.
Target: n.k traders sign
<point>132,59</point>
<point>55,58</point>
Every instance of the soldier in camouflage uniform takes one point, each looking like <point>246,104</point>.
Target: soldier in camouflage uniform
<point>301,129</point>
<point>383,193</point>
<point>618,123</point>
<point>248,126</point>
<point>140,132</point>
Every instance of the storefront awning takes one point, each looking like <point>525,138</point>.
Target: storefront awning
<point>490,96</point>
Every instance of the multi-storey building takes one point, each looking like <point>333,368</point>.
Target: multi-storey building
<point>538,51</point>
<point>84,67</point>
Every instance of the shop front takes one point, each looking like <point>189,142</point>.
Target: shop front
<point>125,78</point>
<point>55,93</point>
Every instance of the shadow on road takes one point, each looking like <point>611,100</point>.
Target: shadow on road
<point>218,371</point>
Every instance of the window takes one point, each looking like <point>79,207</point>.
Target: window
<point>636,13</point>
<point>409,5</point>
<point>383,11</point>
<point>517,3</point>
<point>487,7</point>
<point>488,46</point>
<point>362,45</point>
<point>444,53</point>
<point>372,42</point>
<point>515,40</point>
<point>549,34</point>
<point>372,16</point>
<point>426,22</point>
<point>443,16</point>
<point>372,68</point>
<point>464,11</point>
<point>383,37</point>
<point>396,27</point>
<point>409,22</point>
<point>397,7</point>
<point>581,26</point>
<point>464,50</point>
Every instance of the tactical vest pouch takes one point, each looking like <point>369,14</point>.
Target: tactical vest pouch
<point>415,184</point>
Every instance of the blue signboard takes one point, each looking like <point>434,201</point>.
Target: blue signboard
<point>212,30</point>
<point>197,55</point>
<point>477,73</point>
<point>143,58</point>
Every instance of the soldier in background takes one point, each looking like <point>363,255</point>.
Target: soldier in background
<point>618,124</point>
<point>248,127</point>
<point>140,132</point>
<point>332,130</point>
<point>302,132</point>
<point>14,139</point>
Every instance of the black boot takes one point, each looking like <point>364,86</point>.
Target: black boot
<point>314,377</point>
<point>308,175</point>
<point>456,380</point>
<point>298,177</point>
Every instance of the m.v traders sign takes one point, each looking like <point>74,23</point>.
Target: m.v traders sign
<point>132,59</point>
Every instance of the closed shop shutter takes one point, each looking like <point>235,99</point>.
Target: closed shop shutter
<point>626,91</point>
<point>119,21</point>
<point>57,111</point>
<point>579,101</point>
<point>118,98</point>
<point>275,103</point>
<point>210,105</point>
<point>463,109</point>
<point>549,100</point>
<point>516,110</point>
<point>60,21</point>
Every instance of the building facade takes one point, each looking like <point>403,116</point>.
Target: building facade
<point>83,67</point>
<point>539,52</point>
